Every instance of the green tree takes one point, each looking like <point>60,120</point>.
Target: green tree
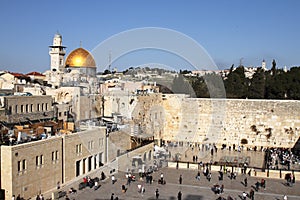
<point>257,85</point>
<point>236,84</point>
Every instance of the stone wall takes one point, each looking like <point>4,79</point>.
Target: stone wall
<point>229,121</point>
<point>143,154</point>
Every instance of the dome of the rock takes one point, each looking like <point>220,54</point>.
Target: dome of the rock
<point>80,58</point>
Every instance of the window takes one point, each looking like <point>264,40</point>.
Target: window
<point>46,107</point>
<point>22,108</point>
<point>31,107</point>
<point>16,109</point>
<point>9,110</point>
<point>38,107</point>
<point>37,158</point>
<point>59,114</point>
<point>41,159</point>
<point>22,166</point>
<point>19,166</point>
<point>78,148</point>
<point>42,106</point>
<point>90,145</point>
<point>54,156</point>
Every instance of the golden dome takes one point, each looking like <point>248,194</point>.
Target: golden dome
<point>80,58</point>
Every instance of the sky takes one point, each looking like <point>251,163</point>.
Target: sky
<point>230,31</point>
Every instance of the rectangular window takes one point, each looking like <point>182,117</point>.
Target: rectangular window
<point>9,110</point>
<point>31,107</point>
<point>78,148</point>
<point>56,155</point>
<point>24,165</point>
<point>16,109</point>
<point>26,108</point>
<point>37,158</point>
<point>22,108</point>
<point>41,160</point>
<point>19,166</point>
<point>90,145</point>
<point>46,106</point>
<point>53,156</point>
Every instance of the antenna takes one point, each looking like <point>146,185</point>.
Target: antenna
<point>241,61</point>
<point>109,60</point>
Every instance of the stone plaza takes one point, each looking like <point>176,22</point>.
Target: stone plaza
<point>191,188</point>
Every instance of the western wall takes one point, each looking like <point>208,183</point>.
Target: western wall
<point>231,121</point>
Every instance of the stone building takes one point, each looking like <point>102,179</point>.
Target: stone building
<point>25,109</point>
<point>36,167</point>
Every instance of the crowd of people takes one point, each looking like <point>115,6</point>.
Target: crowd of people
<point>282,158</point>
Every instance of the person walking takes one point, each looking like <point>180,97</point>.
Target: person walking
<point>263,183</point>
<point>180,179</point>
<point>244,195</point>
<point>222,188</point>
<point>112,196</point>
<point>198,176</point>
<point>285,197</point>
<point>161,178</point>
<point>208,176</point>
<point>245,182</point>
<point>179,195</point>
<point>257,186</point>
<point>251,194</point>
<point>156,193</point>
<point>113,179</point>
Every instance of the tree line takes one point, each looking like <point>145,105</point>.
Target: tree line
<point>271,84</point>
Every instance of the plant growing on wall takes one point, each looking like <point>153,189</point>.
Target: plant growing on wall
<point>269,131</point>
<point>254,129</point>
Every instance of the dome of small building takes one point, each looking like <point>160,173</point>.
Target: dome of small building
<point>80,58</point>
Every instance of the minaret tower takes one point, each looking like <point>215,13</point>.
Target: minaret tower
<point>57,53</point>
<point>263,65</point>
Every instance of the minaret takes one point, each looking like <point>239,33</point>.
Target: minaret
<point>263,65</point>
<point>57,53</point>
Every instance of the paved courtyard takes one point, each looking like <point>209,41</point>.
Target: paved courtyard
<point>191,188</point>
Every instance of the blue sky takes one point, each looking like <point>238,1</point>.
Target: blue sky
<point>228,30</point>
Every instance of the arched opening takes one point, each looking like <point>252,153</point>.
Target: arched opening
<point>145,157</point>
<point>244,141</point>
